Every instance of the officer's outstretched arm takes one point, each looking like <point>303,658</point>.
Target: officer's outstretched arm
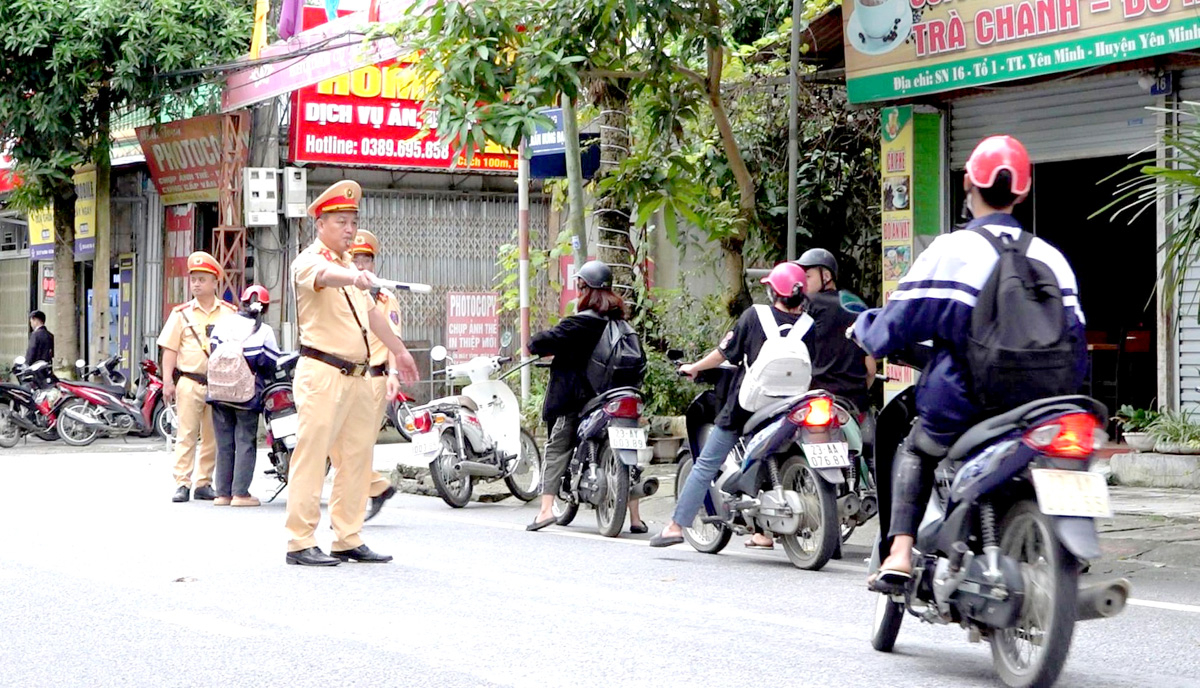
<point>336,276</point>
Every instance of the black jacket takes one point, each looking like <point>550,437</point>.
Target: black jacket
<point>41,346</point>
<point>571,343</point>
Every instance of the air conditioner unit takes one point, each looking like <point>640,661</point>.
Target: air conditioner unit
<point>260,194</point>
<point>295,191</point>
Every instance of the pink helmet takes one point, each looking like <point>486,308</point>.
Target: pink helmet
<point>786,279</point>
<point>997,153</point>
<point>256,291</point>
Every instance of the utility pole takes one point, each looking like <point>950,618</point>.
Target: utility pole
<point>793,129</point>
<point>523,247</point>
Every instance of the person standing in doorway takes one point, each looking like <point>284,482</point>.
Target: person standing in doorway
<point>185,345</point>
<point>41,342</point>
<point>385,379</point>
<point>335,400</point>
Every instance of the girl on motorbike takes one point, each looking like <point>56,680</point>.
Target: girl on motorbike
<point>571,342</point>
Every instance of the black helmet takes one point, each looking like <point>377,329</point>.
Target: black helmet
<point>819,258</point>
<point>596,275</point>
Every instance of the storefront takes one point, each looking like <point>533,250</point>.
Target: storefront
<point>1076,81</point>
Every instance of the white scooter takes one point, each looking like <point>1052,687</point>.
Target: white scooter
<point>477,434</point>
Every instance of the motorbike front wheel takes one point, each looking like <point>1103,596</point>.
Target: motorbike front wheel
<point>819,535</point>
<point>526,479</point>
<point>454,490</point>
<point>888,616</point>
<point>1032,654</point>
<point>703,537</point>
<point>73,432</point>
<point>614,492</point>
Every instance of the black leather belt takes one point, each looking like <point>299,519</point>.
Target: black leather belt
<point>378,371</point>
<point>194,377</point>
<point>343,366</point>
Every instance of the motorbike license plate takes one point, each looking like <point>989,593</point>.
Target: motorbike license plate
<point>427,442</point>
<point>285,426</point>
<point>828,455</point>
<point>1071,493</point>
<point>627,438</point>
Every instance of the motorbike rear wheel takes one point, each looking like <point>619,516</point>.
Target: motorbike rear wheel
<point>814,543</point>
<point>73,432</point>
<point>1032,654</point>
<point>703,537</point>
<point>164,420</point>
<point>888,616</point>
<point>526,480</point>
<point>398,415</point>
<point>10,433</point>
<point>614,492</point>
<point>454,491</point>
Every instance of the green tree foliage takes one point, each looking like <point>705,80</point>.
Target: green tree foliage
<point>65,67</point>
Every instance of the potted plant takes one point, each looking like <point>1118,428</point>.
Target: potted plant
<point>1175,433</point>
<point>1135,427</point>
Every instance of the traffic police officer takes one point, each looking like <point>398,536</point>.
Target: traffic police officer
<point>184,341</point>
<point>334,397</point>
<point>385,379</point>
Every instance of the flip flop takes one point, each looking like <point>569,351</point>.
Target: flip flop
<point>750,544</point>
<point>538,525</point>
<point>889,581</point>
<point>639,530</point>
<point>661,540</point>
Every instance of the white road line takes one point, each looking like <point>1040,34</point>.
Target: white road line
<point>834,565</point>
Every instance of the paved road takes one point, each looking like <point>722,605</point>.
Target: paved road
<point>104,582</point>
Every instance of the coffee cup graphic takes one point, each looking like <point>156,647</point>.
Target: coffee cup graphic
<point>878,18</point>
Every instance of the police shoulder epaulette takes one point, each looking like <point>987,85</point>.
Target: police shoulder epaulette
<point>327,254</point>
<point>180,307</point>
<point>228,305</point>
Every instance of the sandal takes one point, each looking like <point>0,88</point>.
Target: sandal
<point>751,544</point>
<point>661,540</point>
<point>639,529</point>
<point>889,581</point>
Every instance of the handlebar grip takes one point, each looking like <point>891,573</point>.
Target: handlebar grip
<point>506,359</point>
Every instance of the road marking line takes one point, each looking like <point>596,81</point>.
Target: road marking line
<point>1169,606</point>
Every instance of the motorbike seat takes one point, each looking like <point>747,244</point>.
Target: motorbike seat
<point>608,396</point>
<point>1018,418</point>
<point>451,403</point>
<point>119,392</point>
<point>771,411</point>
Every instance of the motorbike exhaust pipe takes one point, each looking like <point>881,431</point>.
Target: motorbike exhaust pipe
<point>848,506</point>
<point>1102,600</point>
<point>646,488</point>
<point>79,417</point>
<point>476,469</point>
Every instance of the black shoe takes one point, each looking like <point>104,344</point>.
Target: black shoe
<point>205,492</point>
<point>378,502</point>
<point>363,555</point>
<point>182,494</point>
<point>313,556</point>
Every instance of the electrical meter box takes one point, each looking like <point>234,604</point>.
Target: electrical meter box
<point>260,193</point>
<point>295,191</point>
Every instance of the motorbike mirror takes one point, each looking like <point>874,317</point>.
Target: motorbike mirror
<point>506,339</point>
<point>80,363</point>
<point>438,353</point>
<point>19,360</point>
<point>674,355</point>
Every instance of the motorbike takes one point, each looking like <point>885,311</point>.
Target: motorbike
<point>1003,540</point>
<point>476,435</point>
<point>158,415</point>
<point>31,406</point>
<point>791,474</point>
<point>398,415</point>
<point>95,409</point>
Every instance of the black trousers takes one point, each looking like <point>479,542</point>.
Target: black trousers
<point>237,448</point>
<point>912,479</point>
<point>558,452</point>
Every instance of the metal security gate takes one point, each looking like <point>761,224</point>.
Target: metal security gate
<point>448,240</point>
<point>14,307</point>
<point>1090,117</point>
<point>1188,342</point>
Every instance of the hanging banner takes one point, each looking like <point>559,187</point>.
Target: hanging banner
<point>896,159</point>
<point>48,284</point>
<point>371,117</point>
<point>85,214</point>
<point>473,324</point>
<point>184,158</point>
<point>180,226</point>
<point>41,234</point>
<point>905,48</point>
<point>125,313</point>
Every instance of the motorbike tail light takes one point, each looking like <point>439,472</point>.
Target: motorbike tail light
<point>1072,436</point>
<point>625,407</point>
<point>279,400</point>
<point>422,422</point>
<point>402,397</point>
<point>816,412</point>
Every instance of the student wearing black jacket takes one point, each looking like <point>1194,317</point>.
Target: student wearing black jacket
<point>571,342</point>
<point>41,342</point>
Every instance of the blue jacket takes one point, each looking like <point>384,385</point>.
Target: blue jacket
<point>934,302</point>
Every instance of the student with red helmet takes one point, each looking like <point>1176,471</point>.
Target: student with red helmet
<point>935,302</point>
<point>786,287</point>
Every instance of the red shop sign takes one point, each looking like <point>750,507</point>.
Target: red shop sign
<point>472,324</point>
<point>184,158</point>
<point>371,118</point>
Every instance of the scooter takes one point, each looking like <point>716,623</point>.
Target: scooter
<point>476,435</point>
<point>31,406</point>
<point>147,396</point>
<point>1002,543</point>
<point>96,409</point>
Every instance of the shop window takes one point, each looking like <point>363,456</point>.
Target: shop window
<point>14,237</point>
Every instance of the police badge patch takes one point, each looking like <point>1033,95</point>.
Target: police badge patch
<point>395,318</point>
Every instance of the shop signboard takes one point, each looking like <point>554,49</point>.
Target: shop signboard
<point>48,284</point>
<point>180,226</point>
<point>125,263</point>
<point>904,48</point>
<point>41,234</point>
<point>371,117</point>
<point>85,214</point>
<point>184,158</point>
<point>472,324</point>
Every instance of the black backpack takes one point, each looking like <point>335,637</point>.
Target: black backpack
<point>1020,348</point>
<point>618,359</point>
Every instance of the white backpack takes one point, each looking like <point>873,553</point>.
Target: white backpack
<point>229,376</point>
<point>783,368</point>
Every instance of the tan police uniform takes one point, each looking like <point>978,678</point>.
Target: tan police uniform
<point>186,333</point>
<point>366,242</point>
<point>335,401</point>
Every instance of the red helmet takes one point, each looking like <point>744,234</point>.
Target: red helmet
<point>786,279</point>
<point>256,292</point>
<point>997,153</point>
